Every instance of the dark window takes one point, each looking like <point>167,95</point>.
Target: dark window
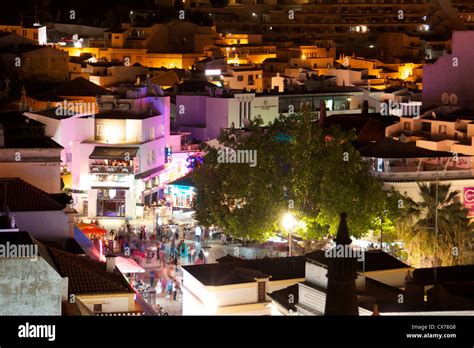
<point>240,78</point>
<point>111,202</point>
<point>442,129</point>
<point>426,126</point>
<point>250,79</point>
<point>97,308</point>
<point>406,126</point>
<point>261,291</point>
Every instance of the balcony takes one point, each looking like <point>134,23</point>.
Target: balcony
<point>187,148</point>
<point>111,170</point>
<point>424,175</point>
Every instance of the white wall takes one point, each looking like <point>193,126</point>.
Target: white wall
<point>29,288</point>
<point>265,107</point>
<point>44,175</point>
<point>395,277</point>
<point>48,225</point>
<point>316,275</point>
<point>109,303</point>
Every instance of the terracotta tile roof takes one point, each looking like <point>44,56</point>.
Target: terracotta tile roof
<point>366,128</point>
<point>391,148</point>
<point>21,196</point>
<point>87,276</point>
<point>283,297</point>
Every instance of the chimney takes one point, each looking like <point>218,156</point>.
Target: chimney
<point>414,292</point>
<point>2,136</point>
<point>110,261</point>
<point>322,112</point>
<point>342,274</point>
<point>375,310</point>
<point>365,108</point>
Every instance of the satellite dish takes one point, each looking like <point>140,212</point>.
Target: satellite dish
<point>445,98</point>
<point>453,99</point>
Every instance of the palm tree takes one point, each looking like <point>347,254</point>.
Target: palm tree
<point>417,227</point>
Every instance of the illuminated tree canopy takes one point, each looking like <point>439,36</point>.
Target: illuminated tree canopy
<point>313,172</point>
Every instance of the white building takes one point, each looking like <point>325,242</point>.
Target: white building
<point>117,153</point>
<point>239,287</point>
<point>205,116</point>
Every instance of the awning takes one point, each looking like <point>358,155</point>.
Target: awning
<point>126,265</point>
<point>149,172</point>
<point>112,152</point>
<point>186,180</point>
<point>91,228</point>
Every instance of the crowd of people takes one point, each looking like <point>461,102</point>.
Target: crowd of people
<point>160,253</point>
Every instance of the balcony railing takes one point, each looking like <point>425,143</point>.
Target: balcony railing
<point>115,170</point>
<point>424,175</point>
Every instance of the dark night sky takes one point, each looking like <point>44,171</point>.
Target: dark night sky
<point>92,12</point>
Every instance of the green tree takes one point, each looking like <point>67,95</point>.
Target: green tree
<point>311,171</point>
<point>417,227</point>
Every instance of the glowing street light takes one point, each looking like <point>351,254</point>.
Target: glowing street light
<point>289,222</point>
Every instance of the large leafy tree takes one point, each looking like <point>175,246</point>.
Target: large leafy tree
<point>313,172</point>
<point>417,226</point>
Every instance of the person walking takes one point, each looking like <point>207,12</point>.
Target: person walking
<point>163,285</point>
<point>169,289</point>
<point>152,278</point>
<point>175,290</point>
<point>186,252</point>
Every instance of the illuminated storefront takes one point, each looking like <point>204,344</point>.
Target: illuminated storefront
<point>112,177</point>
<point>182,192</point>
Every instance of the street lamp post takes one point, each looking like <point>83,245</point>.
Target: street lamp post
<point>289,222</point>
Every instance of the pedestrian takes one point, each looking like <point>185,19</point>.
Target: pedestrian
<point>163,285</point>
<point>159,287</point>
<point>169,289</point>
<point>175,290</point>
<point>197,233</point>
<point>186,251</point>
<point>201,256</point>
<point>152,278</point>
